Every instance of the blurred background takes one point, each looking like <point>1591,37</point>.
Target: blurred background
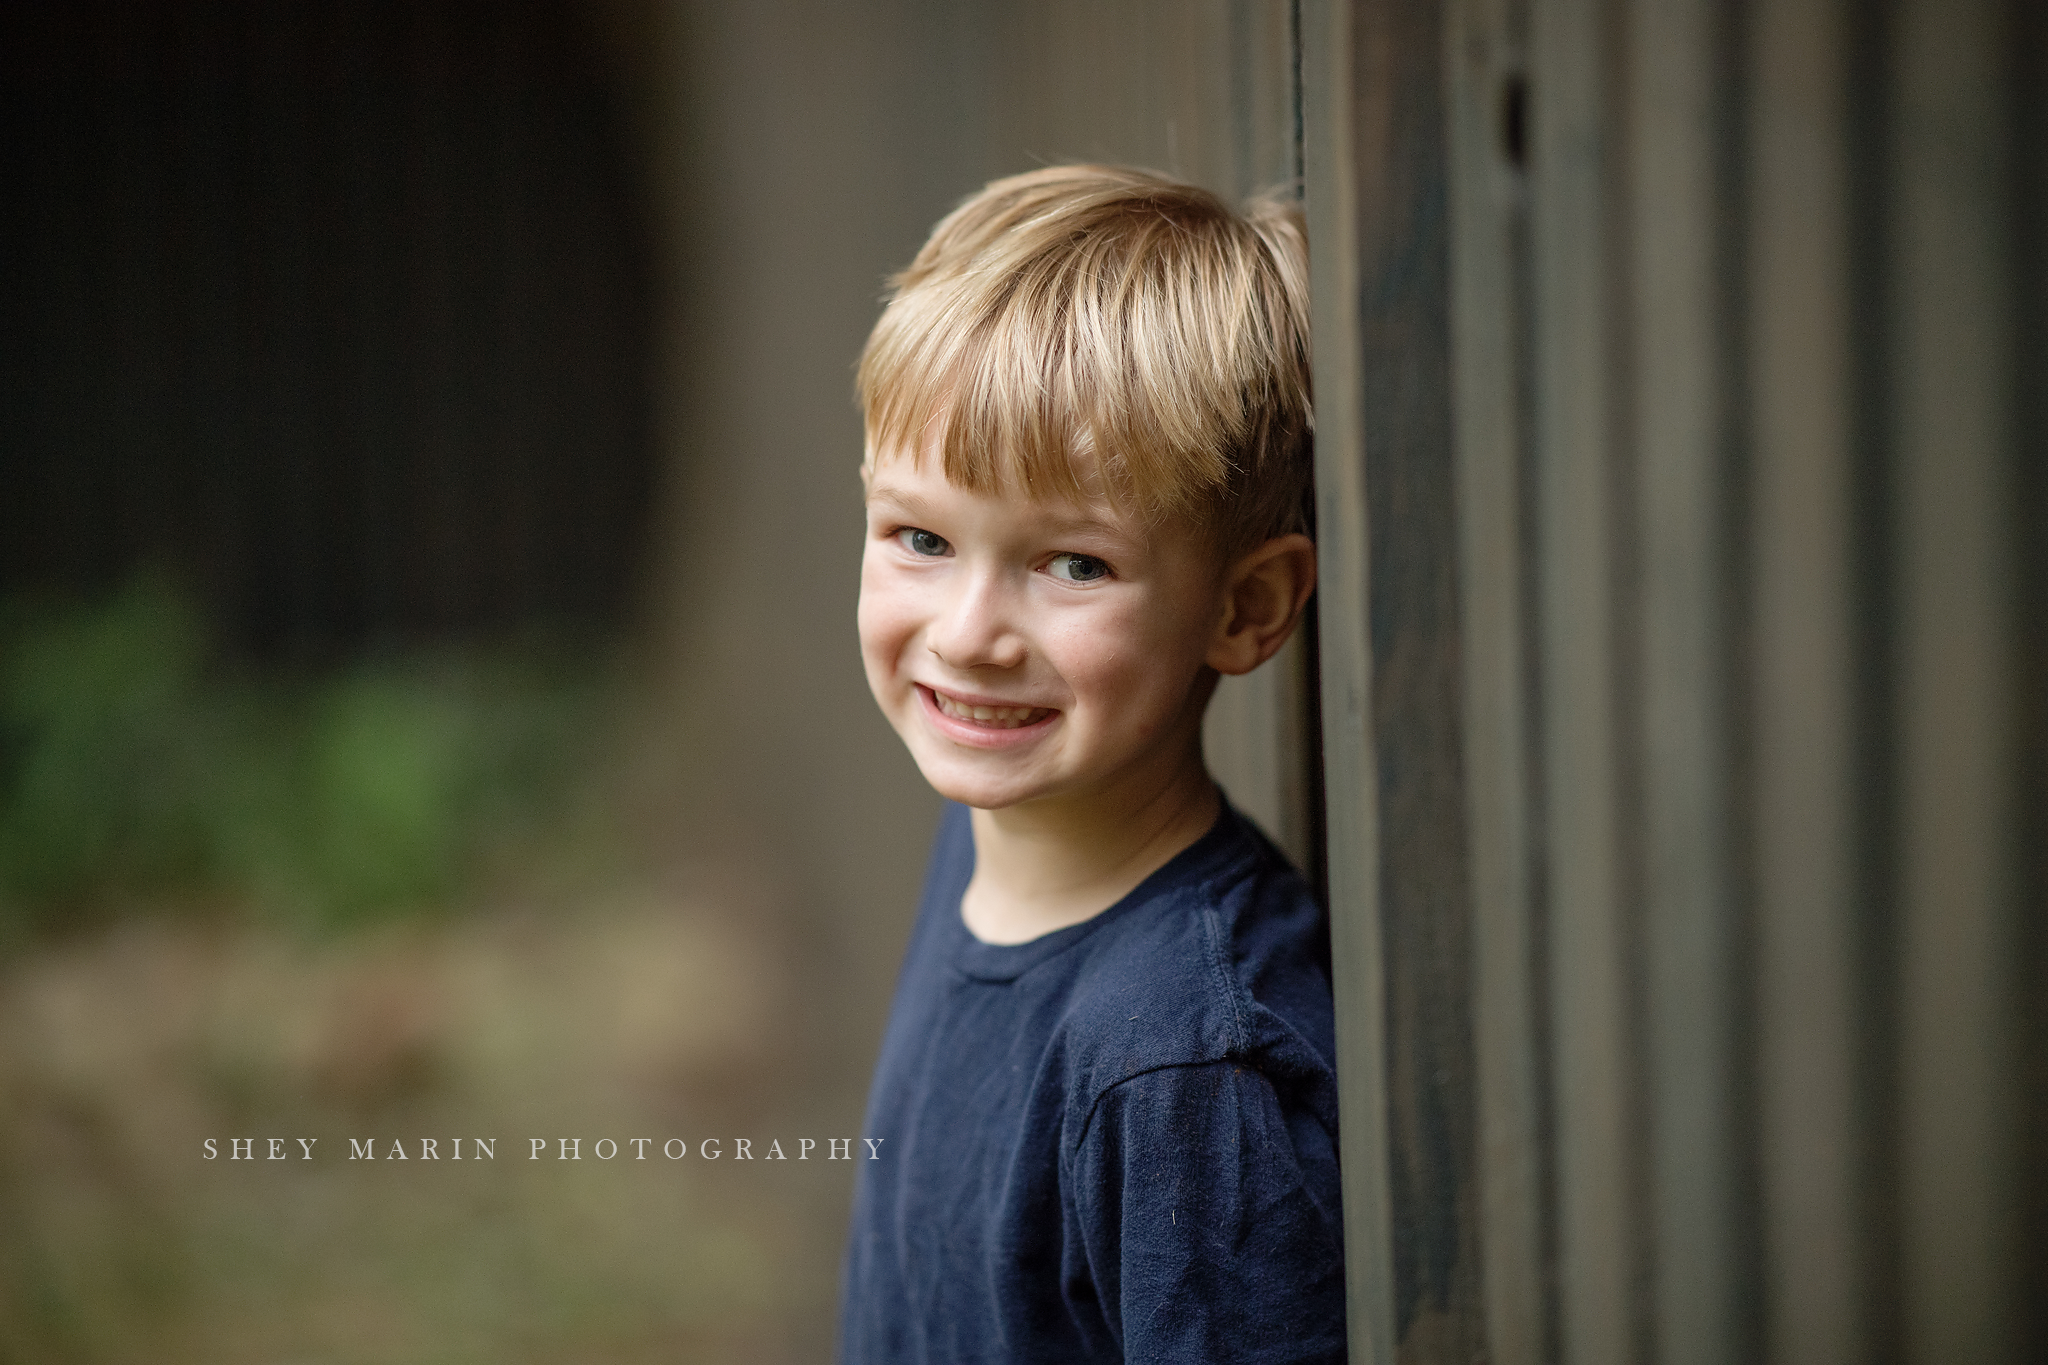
<point>429,700</point>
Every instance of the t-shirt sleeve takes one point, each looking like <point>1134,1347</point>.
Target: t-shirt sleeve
<point>1209,1220</point>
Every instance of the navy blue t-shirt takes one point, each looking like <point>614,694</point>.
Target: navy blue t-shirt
<point>1115,1142</point>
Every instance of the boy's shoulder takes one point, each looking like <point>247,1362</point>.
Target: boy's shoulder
<point>1221,956</point>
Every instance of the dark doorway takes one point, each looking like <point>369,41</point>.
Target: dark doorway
<point>338,312</point>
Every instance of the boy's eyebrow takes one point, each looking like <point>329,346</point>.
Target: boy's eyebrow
<point>911,503</point>
<point>878,489</point>
<point>1073,526</point>
<point>902,499</point>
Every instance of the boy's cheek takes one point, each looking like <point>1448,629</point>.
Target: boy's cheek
<point>884,632</point>
<point>876,657</point>
<point>875,616</point>
<point>872,612</point>
<point>887,687</point>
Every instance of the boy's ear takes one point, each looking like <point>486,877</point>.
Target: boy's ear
<point>1263,595</point>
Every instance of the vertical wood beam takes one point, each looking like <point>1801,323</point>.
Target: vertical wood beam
<point>1415,698</point>
<point>1687,481</point>
<point>2028,517</point>
<point>1579,522</point>
<point>1353,819</point>
<point>1951,444</point>
<point>1801,676</point>
<point>1487,107</point>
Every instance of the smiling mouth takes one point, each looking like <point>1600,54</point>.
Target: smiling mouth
<point>994,717</point>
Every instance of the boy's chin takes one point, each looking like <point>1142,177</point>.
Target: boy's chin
<point>982,791</point>
<point>979,795</point>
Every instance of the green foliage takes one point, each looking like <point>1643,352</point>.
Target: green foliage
<point>134,764</point>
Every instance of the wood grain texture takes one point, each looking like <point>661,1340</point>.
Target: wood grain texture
<point>1330,122</point>
<point>1485,54</point>
<point>1800,674</point>
<point>1950,457</point>
<point>1579,524</point>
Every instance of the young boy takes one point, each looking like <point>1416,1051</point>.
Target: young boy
<point>1105,1097</point>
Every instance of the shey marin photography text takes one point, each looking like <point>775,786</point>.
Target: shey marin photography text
<point>542,1149</point>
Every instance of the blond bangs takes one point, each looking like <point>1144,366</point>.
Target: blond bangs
<point>1089,332</point>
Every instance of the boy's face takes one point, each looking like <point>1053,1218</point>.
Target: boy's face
<point>1031,650</point>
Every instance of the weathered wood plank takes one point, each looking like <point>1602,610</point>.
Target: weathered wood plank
<point>1803,694</point>
<point>1417,695</point>
<point>1950,453</point>
<point>1486,74</point>
<point>1330,124</point>
<point>1580,373</point>
<point>1677,108</point>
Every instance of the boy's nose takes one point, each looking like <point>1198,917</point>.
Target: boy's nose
<point>977,629</point>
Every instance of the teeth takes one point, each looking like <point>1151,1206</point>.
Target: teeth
<point>1001,717</point>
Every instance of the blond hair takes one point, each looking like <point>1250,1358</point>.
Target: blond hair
<point>1086,331</point>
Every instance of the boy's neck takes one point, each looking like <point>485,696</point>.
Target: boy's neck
<point>1046,865</point>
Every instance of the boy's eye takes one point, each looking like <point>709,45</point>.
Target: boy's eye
<point>1077,568</point>
<point>922,542</point>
